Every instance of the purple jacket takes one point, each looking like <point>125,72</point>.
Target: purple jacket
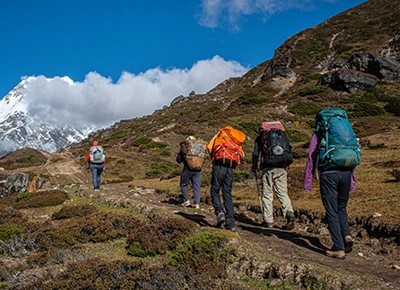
<point>311,165</point>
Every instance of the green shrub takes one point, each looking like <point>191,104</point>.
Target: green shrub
<point>32,161</point>
<point>213,122</point>
<point>296,136</point>
<point>205,252</point>
<point>393,106</point>
<point>165,152</point>
<point>240,175</point>
<point>41,199</point>
<point>363,109</point>
<point>213,109</point>
<point>23,195</point>
<point>156,145</point>
<point>7,231</point>
<point>71,211</point>
<point>157,169</point>
<point>376,146</point>
<point>313,90</point>
<point>252,98</point>
<point>312,77</point>
<point>156,238</point>
<point>266,89</point>
<point>142,141</point>
<point>250,126</point>
<point>341,48</point>
<point>303,108</point>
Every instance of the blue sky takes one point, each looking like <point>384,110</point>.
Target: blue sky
<point>166,48</point>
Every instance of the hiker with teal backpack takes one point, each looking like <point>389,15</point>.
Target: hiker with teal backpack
<point>97,162</point>
<point>335,152</point>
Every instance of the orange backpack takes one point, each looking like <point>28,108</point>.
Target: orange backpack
<point>225,147</point>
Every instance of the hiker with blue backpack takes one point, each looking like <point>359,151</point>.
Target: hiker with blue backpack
<point>334,152</point>
<point>96,159</point>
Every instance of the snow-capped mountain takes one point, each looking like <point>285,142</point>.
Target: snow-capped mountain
<point>19,128</point>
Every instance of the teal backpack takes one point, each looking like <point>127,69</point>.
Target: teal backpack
<point>339,147</point>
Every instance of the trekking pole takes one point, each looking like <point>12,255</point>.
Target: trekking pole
<point>258,191</point>
<point>104,173</point>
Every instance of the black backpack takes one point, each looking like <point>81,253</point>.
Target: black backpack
<point>276,149</point>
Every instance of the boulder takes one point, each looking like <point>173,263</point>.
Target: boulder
<point>348,80</point>
<point>383,68</point>
<point>13,183</point>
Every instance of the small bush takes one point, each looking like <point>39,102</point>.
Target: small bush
<point>165,152</point>
<point>7,231</point>
<point>303,108</point>
<point>23,195</point>
<point>363,109</point>
<point>393,106</point>
<point>158,169</point>
<point>142,141</point>
<point>205,252</point>
<point>296,136</point>
<point>240,175</point>
<point>250,126</point>
<point>71,211</point>
<point>341,48</point>
<point>41,199</point>
<point>156,238</point>
<point>32,161</point>
<point>313,90</point>
<point>252,99</point>
<point>213,122</point>
<point>376,146</point>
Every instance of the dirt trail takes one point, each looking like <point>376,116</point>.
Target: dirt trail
<point>296,246</point>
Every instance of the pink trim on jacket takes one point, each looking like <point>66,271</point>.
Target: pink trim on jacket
<point>311,164</point>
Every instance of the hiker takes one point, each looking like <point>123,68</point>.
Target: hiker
<point>192,154</point>
<point>276,155</point>
<point>336,173</point>
<point>97,163</point>
<point>226,153</point>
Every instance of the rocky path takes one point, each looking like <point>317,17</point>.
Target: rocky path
<point>298,246</point>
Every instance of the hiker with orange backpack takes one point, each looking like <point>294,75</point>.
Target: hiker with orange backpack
<point>276,155</point>
<point>96,158</point>
<point>226,152</point>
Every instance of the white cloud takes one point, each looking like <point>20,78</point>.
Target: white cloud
<point>97,100</point>
<point>216,12</point>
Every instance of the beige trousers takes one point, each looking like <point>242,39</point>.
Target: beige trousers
<point>274,180</point>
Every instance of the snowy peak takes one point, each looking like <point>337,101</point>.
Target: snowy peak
<point>19,128</point>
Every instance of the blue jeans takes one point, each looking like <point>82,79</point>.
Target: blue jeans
<point>222,178</point>
<point>335,189</point>
<point>96,169</point>
<point>195,178</point>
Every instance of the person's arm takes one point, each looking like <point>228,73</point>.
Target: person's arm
<point>311,162</point>
<point>88,157</point>
<point>256,154</point>
<point>179,157</point>
<point>353,181</point>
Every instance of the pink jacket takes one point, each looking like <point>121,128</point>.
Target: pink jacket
<point>311,164</point>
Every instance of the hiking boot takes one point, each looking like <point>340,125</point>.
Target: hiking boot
<point>290,221</point>
<point>267,225</point>
<point>290,218</point>
<point>97,189</point>
<point>230,228</point>
<point>185,203</point>
<point>335,254</point>
<point>220,219</point>
<point>197,206</point>
<point>348,244</point>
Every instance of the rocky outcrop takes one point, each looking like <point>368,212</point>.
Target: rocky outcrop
<point>383,68</point>
<point>364,70</point>
<point>348,80</point>
<point>13,183</point>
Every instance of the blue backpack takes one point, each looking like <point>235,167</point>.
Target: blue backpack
<point>339,146</point>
